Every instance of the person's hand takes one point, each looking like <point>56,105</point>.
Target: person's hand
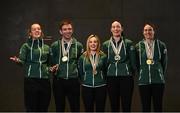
<point>15,59</point>
<point>54,68</point>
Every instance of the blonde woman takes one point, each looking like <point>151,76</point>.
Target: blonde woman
<point>92,69</point>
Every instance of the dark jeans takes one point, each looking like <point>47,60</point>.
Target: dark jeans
<point>120,88</point>
<point>154,92</point>
<point>94,96</point>
<point>69,88</point>
<point>37,94</point>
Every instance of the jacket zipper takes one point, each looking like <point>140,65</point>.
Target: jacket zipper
<point>29,70</point>
<point>140,74</point>
<point>127,69</point>
<point>149,73</point>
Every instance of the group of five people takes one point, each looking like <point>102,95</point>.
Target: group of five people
<point>94,72</point>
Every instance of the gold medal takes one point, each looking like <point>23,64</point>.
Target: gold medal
<point>149,61</point>
<point>64,58</point>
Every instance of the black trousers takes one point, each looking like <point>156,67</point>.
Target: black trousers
<point>120,88</point>
<point>94,97</point>
<point>37,94</point>
<point>69,88</point>
<point>154,92</point>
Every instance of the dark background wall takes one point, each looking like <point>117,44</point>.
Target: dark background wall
<point>89,16</point>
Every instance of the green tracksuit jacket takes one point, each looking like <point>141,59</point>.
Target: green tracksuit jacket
<point>127,64</point>
<point>34,56</point>
<point>86,71</point>
<point>67,69</point>
<point>153,73</point>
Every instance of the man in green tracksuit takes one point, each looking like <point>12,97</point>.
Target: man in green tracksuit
<point>152,55</point>
<point>65,54</point>
<point>121,67</point>
<point>34,56</point>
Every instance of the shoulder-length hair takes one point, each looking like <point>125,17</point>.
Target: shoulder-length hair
<point>88,51</point>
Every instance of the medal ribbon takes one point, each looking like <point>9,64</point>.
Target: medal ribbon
<point>116,50</point>
<point>94,62</point>
<point>149,49</point>
<point>66,51</point>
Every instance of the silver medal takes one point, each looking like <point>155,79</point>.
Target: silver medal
<point>64,58</point>
<point>117,49</point>
<point>94,71</point>
<point>117,57</point>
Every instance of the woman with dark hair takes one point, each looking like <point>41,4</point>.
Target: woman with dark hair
<point>152,55</point>
<point>121,60</point>
<point>92,69</point>
<point>34,56</point>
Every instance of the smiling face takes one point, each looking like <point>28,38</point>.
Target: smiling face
<point>93,44</point>
<point>148,32</point>
<point>66,31</point>
<point>116,29</point>
<point>35,31</point>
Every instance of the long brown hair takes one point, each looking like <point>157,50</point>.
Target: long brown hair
<point>98,51</point>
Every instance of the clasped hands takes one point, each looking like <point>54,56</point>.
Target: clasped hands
<point>54,68</point>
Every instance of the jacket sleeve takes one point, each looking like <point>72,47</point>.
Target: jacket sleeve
<point>164,58</point>
<point>104,48</point>
<point>132,55</point>
<point>137,50</point>
<point>105,65</point>
<point>49,62</point>
<point>80,67</point>
<point>54,54</point>
<point>22,54</point>
<point>80,50</point>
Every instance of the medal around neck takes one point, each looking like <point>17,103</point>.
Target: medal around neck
<point>95,72</point>
<point>149,61</point>
<point>64,58</point>
<point>117,57</point>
